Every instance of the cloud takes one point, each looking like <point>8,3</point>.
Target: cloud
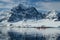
<point>39,4</point>
<point>7,4</point>
<point>48,5</point>
<point>7,1</point>
<point>11,2</point>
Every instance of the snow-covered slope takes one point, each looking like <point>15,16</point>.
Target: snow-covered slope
<point>38,23</point>
<point>4,15</point>
<point>52,15</point>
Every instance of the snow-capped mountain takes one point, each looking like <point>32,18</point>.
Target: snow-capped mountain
<point>52,15</point>
<point>4,15</point>
<point>29,16</point>
<point>23,13</point>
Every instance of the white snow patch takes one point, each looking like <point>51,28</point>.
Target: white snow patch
<point>37,23</point>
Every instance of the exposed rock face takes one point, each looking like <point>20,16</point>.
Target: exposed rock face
<point>21,12</point>
<point>58,16</point>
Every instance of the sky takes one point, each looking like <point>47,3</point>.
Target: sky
<point>38,4</point>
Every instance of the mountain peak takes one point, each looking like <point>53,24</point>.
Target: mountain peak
<point>52,15</point>
<point>21,12</point>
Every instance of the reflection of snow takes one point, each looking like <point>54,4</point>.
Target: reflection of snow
<point>49,34</point>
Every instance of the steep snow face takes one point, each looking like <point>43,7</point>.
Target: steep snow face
<point>22,13</point>
<point>52,15</point>
<point>4,15</point>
